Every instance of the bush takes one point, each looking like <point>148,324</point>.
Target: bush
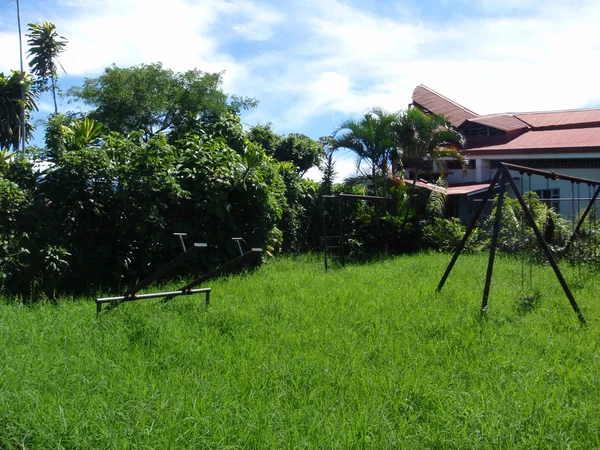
<point>443,234</point>
<point>104,215</point>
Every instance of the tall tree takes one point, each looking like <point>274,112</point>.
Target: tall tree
<point>153,99</point>
<point>264,136</point>
<point>45,45</point>
<point>301,151</point>
<point>423,138</point>
<point>371,139</point>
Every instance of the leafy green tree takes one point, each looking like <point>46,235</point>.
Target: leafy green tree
<point>300,150</point>
<point>371,139</point>
<point>228,126</point>
<point>424,138</point>
<point>152,99</point>
<point>45,46</point>
<point>264,136</point>
<point>11,105</point>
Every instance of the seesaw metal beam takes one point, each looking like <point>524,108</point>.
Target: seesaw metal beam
<point>171,294</point>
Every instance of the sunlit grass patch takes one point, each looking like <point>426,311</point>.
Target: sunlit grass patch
<point>290,356</point>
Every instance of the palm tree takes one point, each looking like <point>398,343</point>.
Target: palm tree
<point>44,47</point>
<point>425,137</point>
<point>370,138</point>
<point>14,112</point>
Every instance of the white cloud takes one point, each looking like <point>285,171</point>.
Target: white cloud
<point>313,63</point>
<point>45,107</point>
<point>344,165</point>
<point>9,52</point>
<point>258,23</point>
<point>488,64</point>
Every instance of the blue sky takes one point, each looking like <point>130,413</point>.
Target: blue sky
<point>314,63</point>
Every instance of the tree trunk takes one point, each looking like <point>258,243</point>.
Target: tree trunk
<point>54,94</point>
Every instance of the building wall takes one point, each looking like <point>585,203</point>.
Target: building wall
<point>564,196</point>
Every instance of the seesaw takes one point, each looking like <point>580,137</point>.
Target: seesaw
<point>190,288</point>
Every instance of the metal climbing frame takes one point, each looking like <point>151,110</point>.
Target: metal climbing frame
<point>333,244</point>
<point>501,178</point>
<point>334,238</point>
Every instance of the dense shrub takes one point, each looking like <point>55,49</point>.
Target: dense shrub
<point>104,215</point>
<point>516,235</point>
<point>443,234</point>
<point>301,216</point>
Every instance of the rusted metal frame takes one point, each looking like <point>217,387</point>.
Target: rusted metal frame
<point>180,236</point>
<point>239,245</point>
<point>342,237</point>
<point>342,247</point>
<point>582,220</point>
<point>551,175</point>
<point>363,197</point>
<point>324,242</point>
<point>325,237</point>
<point>219,270</point>
<point>125,298</point>
<point>494,244</point>
<point>470,229</point>
<point>544,246</point>
<point>164,270</point>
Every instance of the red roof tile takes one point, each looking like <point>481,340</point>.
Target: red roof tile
<point>505,122</point>
<point>551,131</point>
<point>468,189</point>
<point>438,104</point>
<point>560,118</point>
<point>578,138</point>
<point>453,190</point>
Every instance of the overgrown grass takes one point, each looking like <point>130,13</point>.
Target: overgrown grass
<point>291,357</point>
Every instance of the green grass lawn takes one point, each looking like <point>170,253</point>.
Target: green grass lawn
<point>365,356</point>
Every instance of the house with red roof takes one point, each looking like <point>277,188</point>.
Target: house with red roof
<point>566,142</point>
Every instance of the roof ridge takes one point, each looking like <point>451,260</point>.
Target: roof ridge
<point>558,111</point>
<point>451,101</point>
<point>498,114</point>
<point>501,121</point>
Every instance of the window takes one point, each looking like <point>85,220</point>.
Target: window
<point>455,165</point>
<point>550,197</point>
<point>483,131</point>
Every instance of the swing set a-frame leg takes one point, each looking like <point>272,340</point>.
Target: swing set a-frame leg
<point>469,230</point>
<point>581,220</point>
<point>494,244</point>
<point>544,246</point>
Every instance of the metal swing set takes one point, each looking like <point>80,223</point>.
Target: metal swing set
<point>501,179</point>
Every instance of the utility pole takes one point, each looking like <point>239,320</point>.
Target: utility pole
<point>22,127</point>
